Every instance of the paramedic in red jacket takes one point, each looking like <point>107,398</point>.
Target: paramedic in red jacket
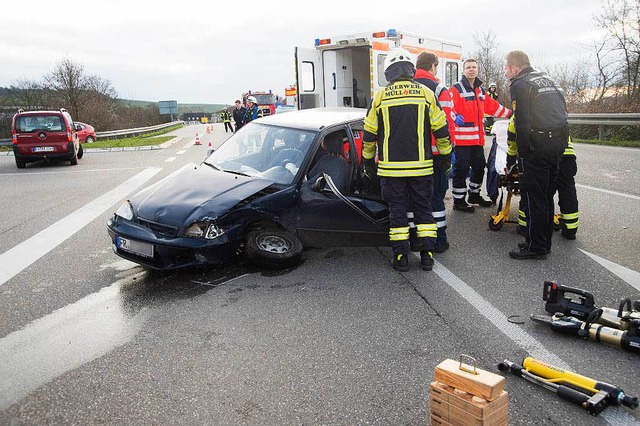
<point>426,70</point>
<point>471,103</point>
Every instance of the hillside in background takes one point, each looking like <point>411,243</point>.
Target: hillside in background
<point>182,108</point>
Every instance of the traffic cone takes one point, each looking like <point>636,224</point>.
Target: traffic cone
<point>197,140</point>
<point>209,145</point>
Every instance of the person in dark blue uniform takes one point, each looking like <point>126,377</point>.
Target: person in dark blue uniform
<point>542,132</point>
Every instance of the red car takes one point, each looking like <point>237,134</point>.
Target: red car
<point>86,132</point>
<point>44,135</point>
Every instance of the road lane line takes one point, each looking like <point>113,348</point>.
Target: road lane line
<point>65,340</point>
<point>170,159</point>
<point>629,275</point>
<point>15,260</point>
<point>614,415</point>
<point>606,191</point>
<point>181,151</point>
<point>69,171</point>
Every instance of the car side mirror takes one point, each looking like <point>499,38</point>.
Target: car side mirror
<point>210,151</point>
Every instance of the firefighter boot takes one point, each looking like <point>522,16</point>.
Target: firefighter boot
<point>400,262</point>
<point>463,206</point>
<point>476,198</point>
<point>426,260</point>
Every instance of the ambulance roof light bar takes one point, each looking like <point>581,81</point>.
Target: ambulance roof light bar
<point>322,41</point>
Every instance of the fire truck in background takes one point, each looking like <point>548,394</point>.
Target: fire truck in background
<point>348,70</point>
<point>266,101</point>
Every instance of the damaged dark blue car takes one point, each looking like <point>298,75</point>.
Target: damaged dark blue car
<point>279,184</point>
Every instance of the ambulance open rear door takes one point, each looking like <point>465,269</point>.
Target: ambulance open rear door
<point>309,78</point>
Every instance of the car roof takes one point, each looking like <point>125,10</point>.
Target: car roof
<point>314,118</point>
<point>38,112</point>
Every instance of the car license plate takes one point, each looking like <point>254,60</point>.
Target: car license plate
<point>43,148</point>
<point>135,247</point>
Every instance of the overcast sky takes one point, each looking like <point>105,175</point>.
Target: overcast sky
<point>203,52</point>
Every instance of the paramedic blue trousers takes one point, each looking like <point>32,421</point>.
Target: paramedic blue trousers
<point>467,156</point>
<point>440,187</point>
<point>538,173</point>
<point>400,193</point>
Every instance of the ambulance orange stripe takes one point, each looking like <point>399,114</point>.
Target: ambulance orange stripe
<point>379,46</point>
<point>438,53</point>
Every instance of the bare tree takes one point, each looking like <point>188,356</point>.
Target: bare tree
<point>621,21</point>
<point>27,94</point>
<point>490,63</point>
<point>68,82</point>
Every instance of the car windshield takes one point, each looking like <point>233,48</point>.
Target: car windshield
<point>266,99</point>
<point>31,123</point>
<point>270,152</point>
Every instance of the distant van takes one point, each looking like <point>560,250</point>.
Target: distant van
<point>44,135</point>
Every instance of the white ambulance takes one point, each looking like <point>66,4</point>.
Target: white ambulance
<point>348,70</point>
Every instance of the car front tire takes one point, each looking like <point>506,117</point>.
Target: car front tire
<point>273,248</point>
<point>89,139</point>
<point>21,164</point>
<point>80,152</point>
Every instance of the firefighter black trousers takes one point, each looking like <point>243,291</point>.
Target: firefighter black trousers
<point>400,193</point>
<point>567,196</point>
<point>538,173</point>
<point>227,127</point>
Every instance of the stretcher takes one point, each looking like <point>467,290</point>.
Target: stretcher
<point>499,181</point>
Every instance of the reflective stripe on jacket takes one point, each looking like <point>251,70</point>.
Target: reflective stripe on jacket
<point>401,119</point>
<point>473,104</point>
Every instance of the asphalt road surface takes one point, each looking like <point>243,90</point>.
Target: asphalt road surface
<point>89,338</point>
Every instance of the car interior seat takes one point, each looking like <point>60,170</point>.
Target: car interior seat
<point>333,163</point>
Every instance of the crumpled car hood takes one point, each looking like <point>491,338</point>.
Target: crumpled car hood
<point>194,193</point>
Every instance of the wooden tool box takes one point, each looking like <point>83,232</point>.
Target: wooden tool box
<point>465,395</point>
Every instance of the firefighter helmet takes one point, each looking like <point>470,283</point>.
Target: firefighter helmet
<point>398,55</point>
<point>492,84</point>
<point>252,99</point>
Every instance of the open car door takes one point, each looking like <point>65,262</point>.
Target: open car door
<point>329,218</point>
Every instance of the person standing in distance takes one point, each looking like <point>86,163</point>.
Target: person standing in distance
<point>471,103</point>
<point>399,123</point>
<point>542,132</point>
<point>226,119</point>
<point>238,114</point>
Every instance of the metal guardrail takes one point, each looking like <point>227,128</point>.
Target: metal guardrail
<point>114,134</point>
<point>606,119</point>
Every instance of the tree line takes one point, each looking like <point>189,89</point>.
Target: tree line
<point>606,79</point>
<point>88,98</point>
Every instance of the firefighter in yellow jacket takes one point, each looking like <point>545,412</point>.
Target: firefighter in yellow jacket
<point>399,123</point>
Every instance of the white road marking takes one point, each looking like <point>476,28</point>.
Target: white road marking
<point>606,191</point>
<point>613,415</point>
<point>64,340</point>
<point>181,151</point>
<point>14,260</point>
<point>170,159</point>
<point>629,275</point>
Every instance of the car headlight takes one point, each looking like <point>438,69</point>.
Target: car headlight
<point>125,211</point>
<point>208,230</point>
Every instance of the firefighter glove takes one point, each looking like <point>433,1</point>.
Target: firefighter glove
<point>370,167</point>
<point>459,119</point>
<point>444,162</point>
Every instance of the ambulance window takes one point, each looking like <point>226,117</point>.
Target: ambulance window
<point>382,81</point>
<point>307,80</point>
<point>451,74</point>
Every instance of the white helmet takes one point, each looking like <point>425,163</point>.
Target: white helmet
<point>492,84</point>
<point>398,55</point>
<point>252,99</point>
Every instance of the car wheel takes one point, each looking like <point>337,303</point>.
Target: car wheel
<point>74,160</point>
<point>80,152</point>
<point>89,139</point>
<point>21,164</point>
<point>273,248</point>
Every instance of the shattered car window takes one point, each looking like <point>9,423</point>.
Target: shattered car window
<point>269,152</point>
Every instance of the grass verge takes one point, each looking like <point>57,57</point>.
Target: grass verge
<point>631,144</point>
